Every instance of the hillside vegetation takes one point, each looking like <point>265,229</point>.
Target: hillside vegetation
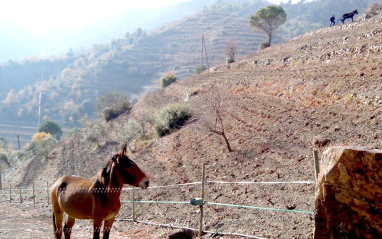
<point>317,90</point>
<point>70,83</point>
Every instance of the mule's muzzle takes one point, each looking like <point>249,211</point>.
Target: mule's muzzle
<point>144,183</point>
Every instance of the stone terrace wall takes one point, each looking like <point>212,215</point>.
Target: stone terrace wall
<point>349,194</point>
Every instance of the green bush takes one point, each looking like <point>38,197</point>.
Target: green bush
<point>51,127</point>
<point>229,60</point>
<point>112,105</point>
<point>44,146</point>
<point>264,45</point>
<point>114,112</point>
<point>73,131</point>
<point>92,131</point>
<point>167,80</point>
<point>4,158</point>
<point>3,142</point>
<point>171,118</point>
<point>200,69</point>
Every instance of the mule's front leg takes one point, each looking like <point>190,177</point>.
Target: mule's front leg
<point>97,223</point>
<point>107,227</point>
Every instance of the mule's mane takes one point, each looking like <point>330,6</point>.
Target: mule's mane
<point>104,176</point>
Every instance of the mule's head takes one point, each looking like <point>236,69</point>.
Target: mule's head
<point>128,172</point>
<point>355,12</point>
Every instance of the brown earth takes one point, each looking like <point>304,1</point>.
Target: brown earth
<point>318,90</point>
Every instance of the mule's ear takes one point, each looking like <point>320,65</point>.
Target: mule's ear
<point>114,158</point>
<point>124,150</point>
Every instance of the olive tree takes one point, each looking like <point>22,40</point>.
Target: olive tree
<point>268,19</point>
<point>51,127</point>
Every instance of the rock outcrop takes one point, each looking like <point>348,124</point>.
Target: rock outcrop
<point>349,194</point>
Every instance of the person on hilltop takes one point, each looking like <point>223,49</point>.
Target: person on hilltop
<point>332,21</point>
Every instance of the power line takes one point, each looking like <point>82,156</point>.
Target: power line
<point>197,36</point>
<point>230,15</point>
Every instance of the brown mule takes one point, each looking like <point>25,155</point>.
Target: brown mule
<point>94,198</point>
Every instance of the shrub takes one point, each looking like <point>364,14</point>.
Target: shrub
<point>51,128</point>
<point>43,143</point>
<point>93,131</point>
<point>171,118</point>
<point>114,112</point>
<point>44,146</point>
<point>125,133</point>
<point>229,60</point>
<point>264,45</point>
<point>200,69</point>
<point>4,158</point>
<point>40,136</point>
<point>167,80</point>
<point>3,142</point>
<point>112,105</point>
<point>73,131</point>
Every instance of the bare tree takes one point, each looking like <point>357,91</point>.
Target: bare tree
<point>230,51</point>
<point>211,117</point>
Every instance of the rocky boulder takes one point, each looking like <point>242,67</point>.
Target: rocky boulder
<point>348,200</point>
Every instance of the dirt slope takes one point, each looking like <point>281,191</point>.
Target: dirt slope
<point>318,90</point>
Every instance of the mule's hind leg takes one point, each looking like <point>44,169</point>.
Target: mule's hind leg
<point>68,226</point>
<point>57,224</point>
<point>107,227</point>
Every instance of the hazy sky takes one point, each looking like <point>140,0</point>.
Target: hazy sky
<point>42,16</point>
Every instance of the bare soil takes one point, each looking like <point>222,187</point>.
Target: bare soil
<point>318,90</point>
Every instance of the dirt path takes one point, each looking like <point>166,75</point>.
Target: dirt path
<point>23,220</point>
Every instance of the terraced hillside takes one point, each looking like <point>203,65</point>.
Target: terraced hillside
<point>177,47</point>
<point>318,90</point>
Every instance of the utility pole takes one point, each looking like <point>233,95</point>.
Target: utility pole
<point>204,51</point>
<point>202,48</point>
<point>42,70</point>
<point>1,184</point>
<point>39,98</point>
<point>39,110</point>
<point>18,141</point>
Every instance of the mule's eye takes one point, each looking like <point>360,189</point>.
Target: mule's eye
<point>127,163</point>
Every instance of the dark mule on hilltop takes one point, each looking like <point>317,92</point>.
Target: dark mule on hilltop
<point>348,15</point>
<point>94,198</point>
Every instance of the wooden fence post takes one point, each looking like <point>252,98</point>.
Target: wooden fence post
<point>34,197</point>
<point>21,196</point>
<point>47,191</point>
<point>201,206</point>
<point>316,164</point>
<point>1,184</point>
<point>133,210</point>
